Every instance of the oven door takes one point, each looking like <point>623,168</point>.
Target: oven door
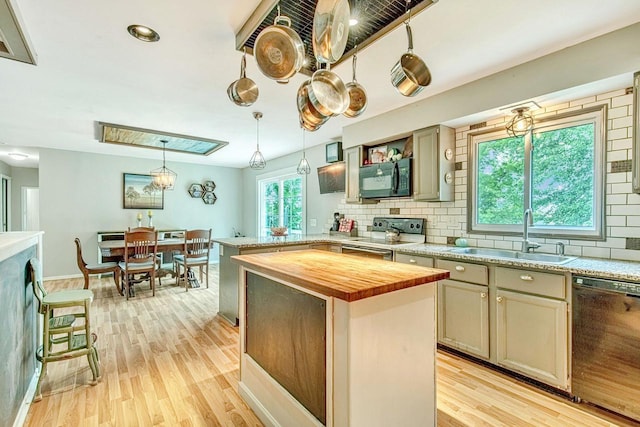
<point>374,253</point>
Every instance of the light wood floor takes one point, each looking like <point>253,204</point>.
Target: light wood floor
<point>169,360</point>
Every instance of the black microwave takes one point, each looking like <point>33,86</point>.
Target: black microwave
<point>387,179</point>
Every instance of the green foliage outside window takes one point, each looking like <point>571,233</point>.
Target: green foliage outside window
<point>282,204</point>
<point>501,181</point>
<point>562,178</point>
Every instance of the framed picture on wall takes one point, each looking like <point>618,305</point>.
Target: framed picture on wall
<point>139,192</point>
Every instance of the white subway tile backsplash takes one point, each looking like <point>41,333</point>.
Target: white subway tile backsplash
<point>450,218</point>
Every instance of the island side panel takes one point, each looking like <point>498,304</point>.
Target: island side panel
<point>271,402</point>
<point>286,336</point>
<point>384,359</point>
<point>18,335</point>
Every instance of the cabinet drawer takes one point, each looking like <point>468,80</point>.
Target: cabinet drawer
<point>533,282</point>
<point>464,271</point>
<point>415,260</point>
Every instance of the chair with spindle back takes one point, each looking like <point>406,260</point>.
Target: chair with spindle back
<point>140,249</point>
<point>195,253</point>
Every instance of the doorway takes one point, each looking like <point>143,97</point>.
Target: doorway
<point>30,208</point>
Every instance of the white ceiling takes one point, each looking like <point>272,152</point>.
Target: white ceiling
<point>90,69</point>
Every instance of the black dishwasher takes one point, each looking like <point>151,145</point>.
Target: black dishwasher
<point>606,344</point>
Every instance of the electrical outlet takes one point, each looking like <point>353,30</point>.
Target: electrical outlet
<point>451,240</point>
<point>394,211</point>
<point>313,222</point>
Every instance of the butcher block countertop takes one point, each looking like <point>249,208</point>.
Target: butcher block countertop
<point>347,277</point>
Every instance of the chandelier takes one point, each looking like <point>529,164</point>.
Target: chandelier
<point>164,177</point>
<point>257,160</point>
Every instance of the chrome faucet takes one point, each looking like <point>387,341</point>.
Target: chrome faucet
<point>528,220</point>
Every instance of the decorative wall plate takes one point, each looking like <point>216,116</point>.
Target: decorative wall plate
<point>209,198</point>
<point>209,186</point>
<point>195,191</point>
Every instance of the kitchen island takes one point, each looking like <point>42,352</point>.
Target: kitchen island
<point>337,340</point>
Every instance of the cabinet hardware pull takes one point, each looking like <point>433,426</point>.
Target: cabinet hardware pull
<point>499,299</point>
<point>483,294</point>
<point>459,268</point>
<point>412,261</point>
<point>526,277</point>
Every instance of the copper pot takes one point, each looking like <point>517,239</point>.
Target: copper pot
<point>328,94</point>
<point>357,95</point>
<point>306,109</point>
<point>330,30</point>
<point>244,91</point>
<point>410,74</point>
<point>279,50</point>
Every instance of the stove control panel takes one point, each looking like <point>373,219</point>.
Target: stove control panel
<point>405,225</point>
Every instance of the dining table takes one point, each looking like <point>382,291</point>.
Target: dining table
<point>115,248</point>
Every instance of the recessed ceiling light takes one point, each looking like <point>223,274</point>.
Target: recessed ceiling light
<point>144,33</point>
<point>18,156</point>
<point>353,21</point>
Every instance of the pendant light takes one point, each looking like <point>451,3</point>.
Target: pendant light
<point>257,160</point>
<point>164,177</point>
<point>521,123</point>
<point>303,166</point>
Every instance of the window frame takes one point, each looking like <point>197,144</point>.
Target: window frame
<point>280,175</point>
<point>596,115</point>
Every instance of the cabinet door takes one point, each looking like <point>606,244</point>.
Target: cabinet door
<point>532,336</point>
<point>433,164</point>
<point>463,317</point>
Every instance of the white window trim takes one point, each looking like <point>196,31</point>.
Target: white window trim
<point>596,115</point>
<point>276,174</point>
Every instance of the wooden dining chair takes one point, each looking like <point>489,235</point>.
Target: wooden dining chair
<point>194,253</point>
<point>105,267</point>
<point>140,249</point>
<point>63,336</point>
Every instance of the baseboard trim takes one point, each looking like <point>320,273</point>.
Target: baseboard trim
<point>21,416</point>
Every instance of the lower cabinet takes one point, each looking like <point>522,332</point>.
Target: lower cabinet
<point>531,336</point>
<point>414,259</point>
<point>463,317</point>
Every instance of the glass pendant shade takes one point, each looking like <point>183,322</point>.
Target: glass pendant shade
<point>164,177</point>
<point>257,161</point>
<point>521,123</point>
<point>303,166</point>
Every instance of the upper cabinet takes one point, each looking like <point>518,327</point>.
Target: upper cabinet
<point>433,164</point>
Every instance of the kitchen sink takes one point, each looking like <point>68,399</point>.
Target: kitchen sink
<point>503,253</point>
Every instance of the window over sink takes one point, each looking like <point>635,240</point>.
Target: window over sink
<point>556,170</point>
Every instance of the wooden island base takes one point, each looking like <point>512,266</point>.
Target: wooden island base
<point>337,340</point>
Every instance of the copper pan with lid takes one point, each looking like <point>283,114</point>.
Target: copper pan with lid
<point>279,50</point>
<point>330,30</point>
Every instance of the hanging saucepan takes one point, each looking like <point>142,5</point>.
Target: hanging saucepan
<point>307,111</point>
<point>279,50</point>
<point>244,91</point>
<point>357,94</point>
<point>327,93</point>
<point>410,74</point>
<point>330,29</point>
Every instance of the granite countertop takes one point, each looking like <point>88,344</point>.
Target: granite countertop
<point>346,277</point>
<point>594,267</point>
<point>294,239</point>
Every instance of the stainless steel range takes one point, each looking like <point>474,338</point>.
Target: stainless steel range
<point>379,245</point>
